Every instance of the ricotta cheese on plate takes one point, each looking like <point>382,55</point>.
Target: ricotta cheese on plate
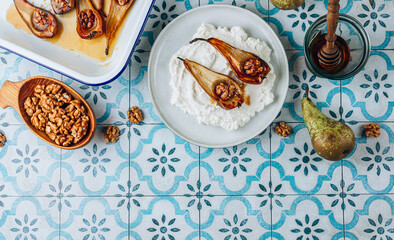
<point>188,95</point>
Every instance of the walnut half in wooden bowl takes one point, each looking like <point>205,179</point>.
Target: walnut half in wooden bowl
<point>52,110</point>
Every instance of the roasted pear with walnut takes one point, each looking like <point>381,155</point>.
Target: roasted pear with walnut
<point>89,21</point>
<point>333,140</point>
<point>40,22</point>
<point>62,6</point>
<point>248,67</point>
<point>117,12</point>
<point>221,88</point>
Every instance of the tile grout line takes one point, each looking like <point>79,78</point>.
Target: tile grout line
<point>155,124</point>
<point>342,176</point>
<point>214,195</point>
<point>199,178</point>
<point>271,212</point>
<point>270,140</point>
<point>129,178</point>
<point>270,137</point>
<point>61,190</point>
<point>60,177</point>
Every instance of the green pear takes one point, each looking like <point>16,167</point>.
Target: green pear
<point>331,139</point>
<point>287,4</point>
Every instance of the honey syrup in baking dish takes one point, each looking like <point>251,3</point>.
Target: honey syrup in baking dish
<point>67,36</point>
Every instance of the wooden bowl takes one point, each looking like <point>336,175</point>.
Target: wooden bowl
<point>14,94</point>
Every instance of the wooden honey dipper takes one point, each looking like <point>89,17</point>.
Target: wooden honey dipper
<point>330,56</point>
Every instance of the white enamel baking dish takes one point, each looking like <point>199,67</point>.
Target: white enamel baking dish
<point>72,64</point>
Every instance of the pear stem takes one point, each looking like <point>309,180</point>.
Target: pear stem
<point>107,47</point>
<point>181,59</point>
<point>306,92</point>
<point>197,39</point>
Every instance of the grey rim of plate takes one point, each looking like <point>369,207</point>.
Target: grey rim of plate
<point>279,98</point>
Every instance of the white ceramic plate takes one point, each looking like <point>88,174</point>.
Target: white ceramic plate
<point>178,33</point>
<point>74,65</point>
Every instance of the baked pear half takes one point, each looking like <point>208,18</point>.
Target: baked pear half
<point>248,67</point>
<point>41,23</point>
<point>224,90</point>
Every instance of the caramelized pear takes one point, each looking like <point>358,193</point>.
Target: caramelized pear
<point>97,4</point>
<point>246,66</point>
<point>221,88</point>
<point>62,6</point>
<point>89,21</point>
<point>115,17</point>
<point>40,22</point>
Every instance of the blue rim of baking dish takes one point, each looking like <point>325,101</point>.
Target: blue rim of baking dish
<point>93,84</point>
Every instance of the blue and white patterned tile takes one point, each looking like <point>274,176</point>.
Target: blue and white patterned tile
<point>29,166</point>
<point>167,164</point>
<point>236,217</point>
<point>292,25</point>
<point>370,218</point>
<point>98,168</point>
<point>376,18</point>
<point>18,68</point>
<point>109,102</point>
<point>323,92</point>
<point>139,90</point>
<point>165,218</point>
<point>29,218</point>
<point>144,45</point>
<point>236,170</point>
<point>370,165</point>
<point>164,12</point>
<point>371,87</point>
<point>298,168</point>
<point>94,218</point>
<point>306,217</point>
<point>131,211</point>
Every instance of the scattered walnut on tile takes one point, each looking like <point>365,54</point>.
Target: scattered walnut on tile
<point>283,130</point>
<point>3,139</point>
<point>372,130</point>
<point>135,115</point>
<point>55,112</point>
<point>111,134</point>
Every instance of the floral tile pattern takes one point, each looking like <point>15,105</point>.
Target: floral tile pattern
<point>151,184</point>
<point>370,218</point>
<point>303,217</point>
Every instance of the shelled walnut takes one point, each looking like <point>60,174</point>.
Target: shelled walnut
<point>62,6</point>
<point>88,19</point>
<point>135,115</point>
<point>53,111</point>
<point>111,134</point>
<point>3,139</point>
<point>283,130</point>
<point>225,91</point>
<point>41,20</point>
<point>253,67</point>
<point>372,130</point>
